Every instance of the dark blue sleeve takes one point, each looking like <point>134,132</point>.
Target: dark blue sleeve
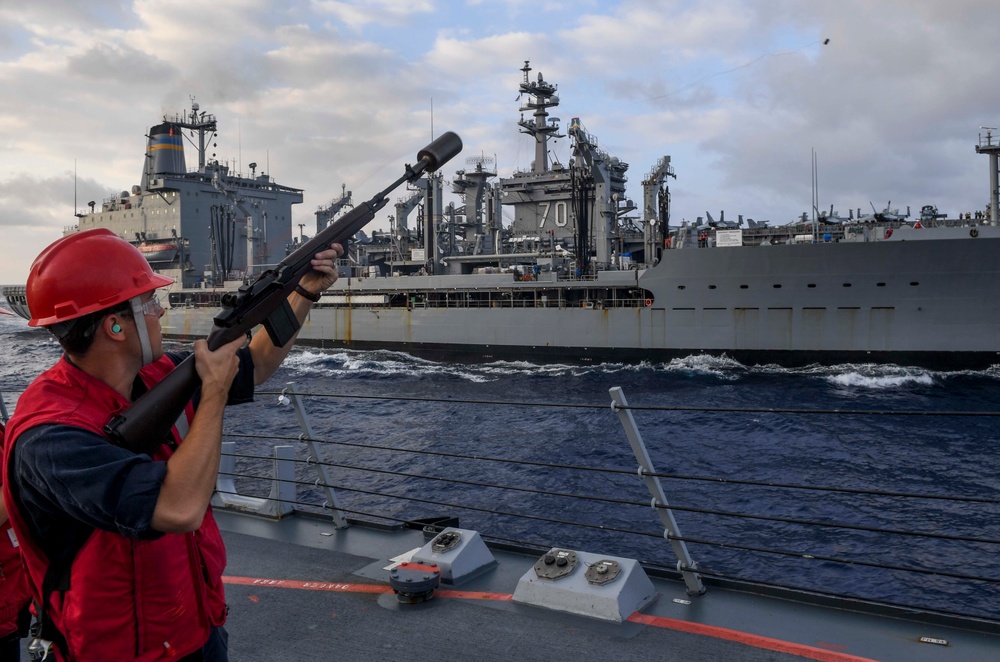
<point>63,471</point>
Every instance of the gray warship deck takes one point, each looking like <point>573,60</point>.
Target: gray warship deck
<point>332,617</point>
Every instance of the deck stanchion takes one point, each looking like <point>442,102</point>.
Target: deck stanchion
<point>685,564</point>
<point>278,502</point>
<point>332,502</point>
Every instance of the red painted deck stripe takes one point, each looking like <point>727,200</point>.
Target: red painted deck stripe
<point>808,652</point>
<point>335,587</point>
<point>475,595</point>
<point>338,587</point>
<point>766,643</point>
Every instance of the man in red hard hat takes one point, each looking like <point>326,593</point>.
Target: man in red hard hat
<point>123,556</point>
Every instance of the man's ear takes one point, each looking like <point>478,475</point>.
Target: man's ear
<point>112,325</point>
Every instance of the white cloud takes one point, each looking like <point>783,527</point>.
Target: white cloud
<point>360,14</point>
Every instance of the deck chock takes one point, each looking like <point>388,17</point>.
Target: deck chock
<point>414,582</point>
<point>461,555</point>
<point>604,587</point>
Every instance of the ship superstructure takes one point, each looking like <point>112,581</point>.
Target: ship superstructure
<point>205,226</point>
<point>576,206</point>
<point>569,218</point>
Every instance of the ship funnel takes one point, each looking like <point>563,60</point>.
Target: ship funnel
<point>164,152</point>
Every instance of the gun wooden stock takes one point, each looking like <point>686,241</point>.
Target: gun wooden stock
<point>146,424</point>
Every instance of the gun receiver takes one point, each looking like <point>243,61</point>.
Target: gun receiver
<point>145,424</point>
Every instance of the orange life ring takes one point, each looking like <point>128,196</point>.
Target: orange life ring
<point>649,302</point>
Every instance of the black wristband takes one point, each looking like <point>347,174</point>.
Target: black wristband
<point>303,292</point>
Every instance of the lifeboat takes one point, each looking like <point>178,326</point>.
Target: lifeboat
<point>158,252</point>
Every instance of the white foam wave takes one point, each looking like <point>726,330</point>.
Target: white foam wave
<point>387,363</point>
<point>508,368</point>
<point>377,363</point>
<point>993,371</point>
<point>705,364</point>
<point>881,381</point>
<point>863,375</point>
<point>872,375</point>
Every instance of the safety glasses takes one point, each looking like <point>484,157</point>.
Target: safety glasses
<point>152,306</point>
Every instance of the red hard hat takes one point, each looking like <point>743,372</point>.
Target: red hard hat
<point>85,272</point>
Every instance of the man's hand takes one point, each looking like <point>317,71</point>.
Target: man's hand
<point>324,270</point>
<point>217,369</point>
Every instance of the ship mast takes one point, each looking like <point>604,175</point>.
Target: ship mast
<point>991,147</point>
<point>541,96</point>
<point>656,208</point>
<point>204,123</point>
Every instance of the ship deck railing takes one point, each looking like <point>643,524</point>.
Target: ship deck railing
<point>692,527</point>
<point>841,229</point>
<point>499,300</point>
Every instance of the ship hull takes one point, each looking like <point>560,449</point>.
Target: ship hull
<point>933,303</point>
<point>474,352</point>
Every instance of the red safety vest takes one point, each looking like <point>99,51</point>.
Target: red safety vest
<point>128,599</point>
<point>14,595</point>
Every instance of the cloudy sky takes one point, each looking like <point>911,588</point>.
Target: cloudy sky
<point>328,93</point>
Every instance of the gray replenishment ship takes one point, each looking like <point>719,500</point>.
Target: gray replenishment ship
<point>581,272</point>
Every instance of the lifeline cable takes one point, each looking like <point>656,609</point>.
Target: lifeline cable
<point>624,502</point>
<point>629,472</point>
<point>679,408</point>
<point>614,529</point>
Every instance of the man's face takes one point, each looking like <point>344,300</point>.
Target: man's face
<point>153,311</point>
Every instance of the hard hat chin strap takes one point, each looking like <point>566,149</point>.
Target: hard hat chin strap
<point>140,325</point>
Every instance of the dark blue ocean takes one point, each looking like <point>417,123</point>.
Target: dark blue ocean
<point>517,410</point>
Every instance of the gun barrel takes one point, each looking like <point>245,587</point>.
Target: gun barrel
<point>440,150</point>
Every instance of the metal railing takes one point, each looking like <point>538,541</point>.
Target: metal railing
<point>369,482</point>
<point>540,502</point>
